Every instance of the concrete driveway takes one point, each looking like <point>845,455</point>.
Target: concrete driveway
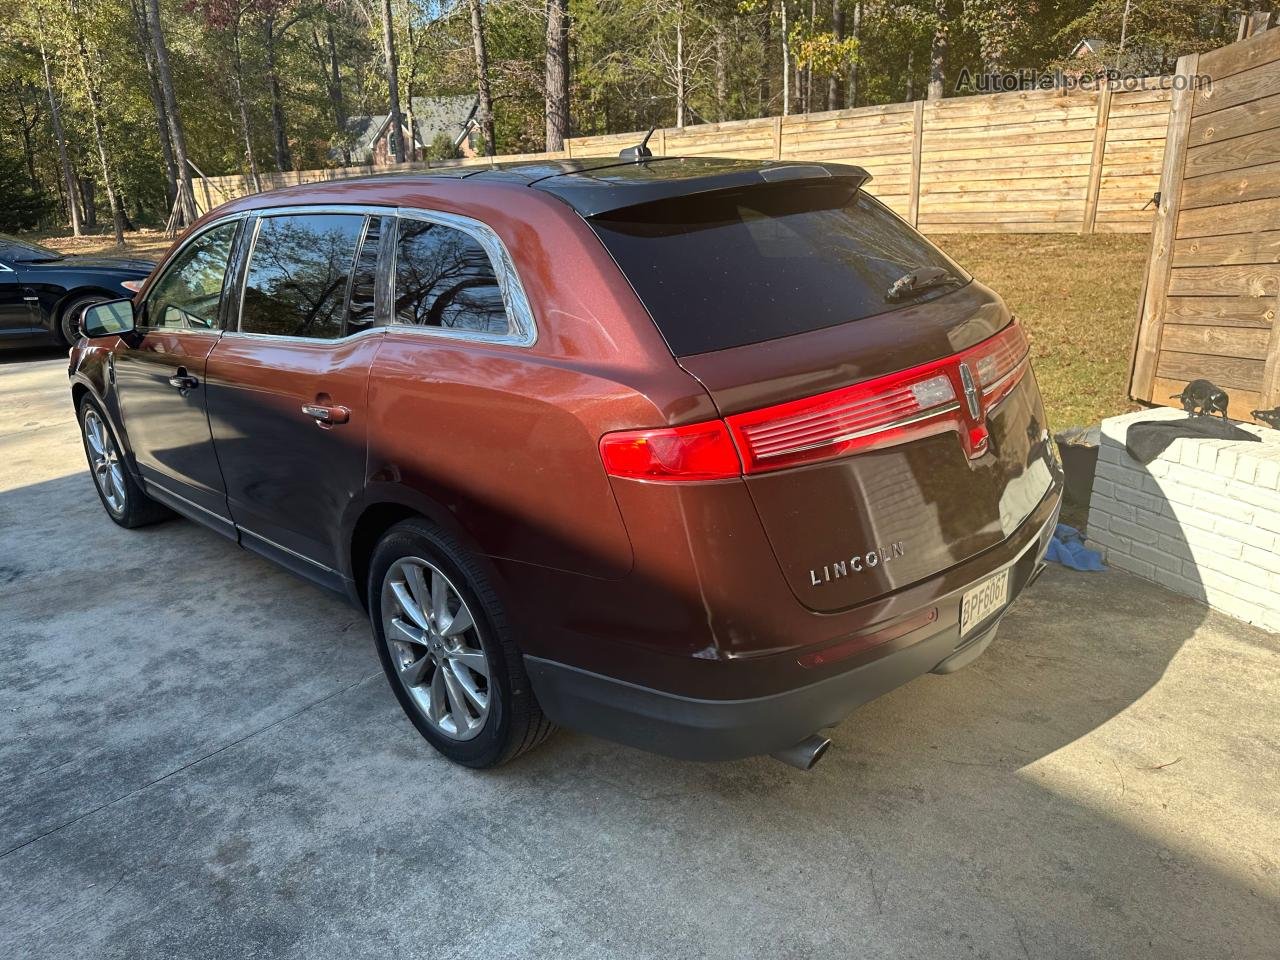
<point>199,757</point>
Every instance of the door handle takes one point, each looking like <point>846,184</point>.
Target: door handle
<point>326,414</point>
<point>183,381</point>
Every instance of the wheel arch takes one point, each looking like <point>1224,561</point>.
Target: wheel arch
<point>377,512</point>
<point>71,296</point>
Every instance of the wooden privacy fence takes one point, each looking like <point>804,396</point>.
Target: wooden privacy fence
<point>1213,280</point>
<point>1023,162</point>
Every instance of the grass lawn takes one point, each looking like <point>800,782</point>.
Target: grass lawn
<point>1076,296</point>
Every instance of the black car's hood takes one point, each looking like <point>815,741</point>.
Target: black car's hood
<point>91,262</point>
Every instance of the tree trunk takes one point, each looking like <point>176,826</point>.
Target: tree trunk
<point>837,28</point>
<point>95,118</point>
<point>557,78</point>
<point>89,190</point>
<point>484,109</point>
<point>766,44</point>
<point>186,196</point>
<point>786,63</point>
<point>25,126</point>
<point>157,101</point>
<point>911,75</point>
<point>64,161</point>
<point>680,91</point>
<point>237,81</point>
<point>722,74</point>
<point>335,79</point>
<point>851,91</point>
<point>279,134</point>
<point>393,82</point>
<point>938,53</point>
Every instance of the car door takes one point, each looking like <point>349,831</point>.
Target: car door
<point>17,316</point>
<point>287,384</point>
<point>159,377</point>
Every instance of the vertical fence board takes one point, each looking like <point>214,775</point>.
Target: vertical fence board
<point>1095,162</point>
<point>917,147</point>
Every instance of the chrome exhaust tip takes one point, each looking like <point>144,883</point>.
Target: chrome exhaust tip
<point>805,754</point>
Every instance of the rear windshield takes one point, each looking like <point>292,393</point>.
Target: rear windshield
<point>734,267</point>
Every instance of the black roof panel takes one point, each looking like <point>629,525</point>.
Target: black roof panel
<point>615,185</point>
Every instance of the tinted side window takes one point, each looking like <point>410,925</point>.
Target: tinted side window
<point>296,282</point>
<point>444,279</point>
<point>364,279</point>
<point>187,295</point>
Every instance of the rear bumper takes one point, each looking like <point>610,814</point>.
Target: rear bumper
<point>692,728</point>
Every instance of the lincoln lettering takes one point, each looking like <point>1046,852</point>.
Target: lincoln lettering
<point>855,564</point>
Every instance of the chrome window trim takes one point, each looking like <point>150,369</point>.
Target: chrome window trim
<point>311,209</point>
<point>524,332</point>
<point>5,268</point>
<point>174,254</point>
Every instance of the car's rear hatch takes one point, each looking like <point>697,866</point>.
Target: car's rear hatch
<point>885,437</point>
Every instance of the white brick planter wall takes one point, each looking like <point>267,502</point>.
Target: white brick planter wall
<point>1202,519</point>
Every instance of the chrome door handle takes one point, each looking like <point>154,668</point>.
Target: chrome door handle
<point>183,381</point>
<point>326,414</point>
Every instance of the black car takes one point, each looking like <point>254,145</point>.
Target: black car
<point>43,292</point>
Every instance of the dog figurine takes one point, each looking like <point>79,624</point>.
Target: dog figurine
<point>1202,398</point>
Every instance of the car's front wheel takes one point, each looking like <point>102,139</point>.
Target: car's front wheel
<point>446,648</point>
<point>69,319</point>
<point>120,494</point>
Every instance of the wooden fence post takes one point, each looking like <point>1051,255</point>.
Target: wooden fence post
<point>1163,231</point>
<point>777,138</point>
<point>917,143</point>
<point>1096,159</point>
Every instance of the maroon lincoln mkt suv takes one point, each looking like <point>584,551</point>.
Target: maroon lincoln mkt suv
<point>694,454</point>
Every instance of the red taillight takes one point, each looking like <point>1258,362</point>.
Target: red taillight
<point>881,412</point>
<point>884,411</point>
<point>132,285</point>
<point>998,363</point>
<point>875,412</point>
<point>699,451</point>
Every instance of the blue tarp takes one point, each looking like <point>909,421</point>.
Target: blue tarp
<point>1067,548</point>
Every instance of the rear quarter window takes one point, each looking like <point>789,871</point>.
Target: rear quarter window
<point>734,267</point>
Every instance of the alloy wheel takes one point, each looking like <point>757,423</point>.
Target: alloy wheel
<point>104,458</point>
<point>435,647</point>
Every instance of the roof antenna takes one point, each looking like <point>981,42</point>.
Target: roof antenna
<point>640,152</point>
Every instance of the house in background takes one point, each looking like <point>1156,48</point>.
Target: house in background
<point>1088,47</point>
<point>370,136</point>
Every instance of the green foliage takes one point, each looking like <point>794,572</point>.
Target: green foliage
<point>631,64</point>
<point>442,148</point>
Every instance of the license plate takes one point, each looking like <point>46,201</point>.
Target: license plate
<point>983,600</point>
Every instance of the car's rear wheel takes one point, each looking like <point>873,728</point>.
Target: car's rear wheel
<point>120,494</point>
<point>446,647</point>
<point>69,319</point>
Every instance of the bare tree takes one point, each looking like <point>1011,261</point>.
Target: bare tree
<point>938,52</point>
<point>557,73</point>
<point>64,161</point>
<point>485,108</point>
<point>837,29</point>
<point>157,99</point>
<point>94,92</point>
<point>393,81</point>
<point>186,197</point>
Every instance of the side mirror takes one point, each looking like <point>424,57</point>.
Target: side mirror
<point>107,319</point>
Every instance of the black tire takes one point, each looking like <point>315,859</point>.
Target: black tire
<point>69,318</point>
<point>514,721</point>
<point>133,508</point>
